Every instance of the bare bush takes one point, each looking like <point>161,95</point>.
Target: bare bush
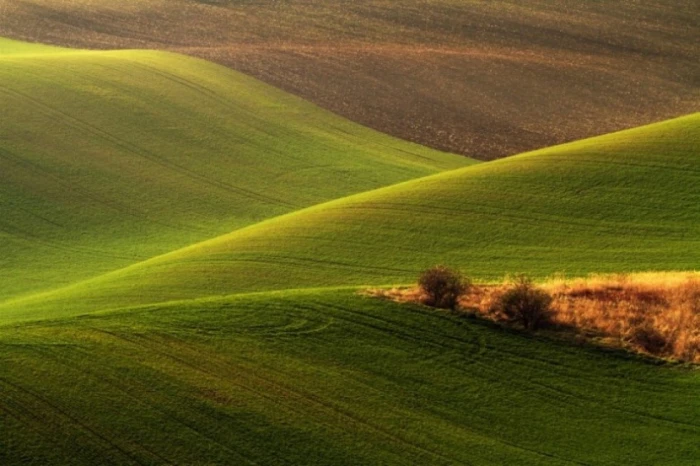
<point>442,287</point>
<point>526,304</point>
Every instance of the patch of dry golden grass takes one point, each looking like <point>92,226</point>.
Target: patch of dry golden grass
<point>399,295</point>
<point>657,314</point>
<point>654,313</point>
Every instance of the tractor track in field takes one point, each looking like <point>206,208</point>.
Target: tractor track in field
<point>239,381</point>
<point>83,126</point>
<point>26,235</point>
<point>223,365</point>
<point>261,127</point>
<point>137,396</point>
<point>304,262</point>
<point>285,391</point>
<point>73,420</point>
<point>668,168</point>
<point>215,129</point>
<point>128,211</point>
<point>572,398</point>
<point>20,413</point>
<point>390,328</point>
<point>532,218</point>
<point>233,108</point>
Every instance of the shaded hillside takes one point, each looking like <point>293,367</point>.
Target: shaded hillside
<point>622,202</point>
<point>487,79</point>
<point>328,377</point>
<point>110,158</point>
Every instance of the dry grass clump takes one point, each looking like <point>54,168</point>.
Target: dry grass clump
<point>397,294</point>
<point>657,314</point>
<point>652,313</point>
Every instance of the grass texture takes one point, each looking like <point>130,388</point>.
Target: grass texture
<point>110,158</point>
<point>132,179</point>
<point>329,377</point>
<point>625,202</point>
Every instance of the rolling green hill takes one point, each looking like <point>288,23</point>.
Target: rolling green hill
<point>623,202</point>
<point>110,158</point>
<point>329,377</point>
<point>138,187</point>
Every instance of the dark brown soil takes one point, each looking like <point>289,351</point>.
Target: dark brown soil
<point>486,79</point>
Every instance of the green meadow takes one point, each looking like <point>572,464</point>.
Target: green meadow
<point>598,205</point>
<point>110,158</point>
<point>329,377</point>
<point>182,249</point>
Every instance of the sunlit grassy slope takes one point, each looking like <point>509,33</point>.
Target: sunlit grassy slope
<point>623,202</point>
<point>110,158</point>
<point>329,377</point>
<point>13,47</point>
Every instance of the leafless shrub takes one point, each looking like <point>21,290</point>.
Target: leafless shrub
<point>442,287</point>
<point>526,304</point>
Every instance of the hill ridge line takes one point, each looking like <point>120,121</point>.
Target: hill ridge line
<point>245,151</point>
<point>20,300</point>
<point>44,293</point>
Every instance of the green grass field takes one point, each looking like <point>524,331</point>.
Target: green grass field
<point>329,377</point>
<point>628,201</point>
<point>110,158</point>
<point>181,249</point>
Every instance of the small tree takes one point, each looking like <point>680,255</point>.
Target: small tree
<point>443,286</point>
<point>526,304</point>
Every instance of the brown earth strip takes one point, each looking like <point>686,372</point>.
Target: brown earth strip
<point>485,79</point>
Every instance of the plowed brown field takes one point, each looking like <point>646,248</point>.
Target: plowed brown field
<point>487,79</point>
